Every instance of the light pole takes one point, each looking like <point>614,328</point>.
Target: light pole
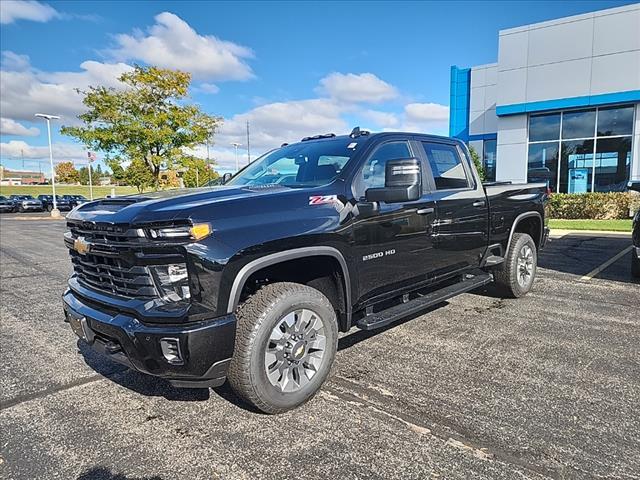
<point>236,145</point>
<point>55,212</point>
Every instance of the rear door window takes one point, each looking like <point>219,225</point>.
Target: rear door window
<point>446,165</point>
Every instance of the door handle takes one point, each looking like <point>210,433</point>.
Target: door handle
<point>424,211</point>
<point>479,203</point>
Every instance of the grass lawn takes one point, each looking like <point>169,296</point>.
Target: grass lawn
<point>611,225</point>
<point>35,190</point>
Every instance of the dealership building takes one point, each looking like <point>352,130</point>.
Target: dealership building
<point>561,105</point>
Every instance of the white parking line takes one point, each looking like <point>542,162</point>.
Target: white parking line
<point>606,264</point>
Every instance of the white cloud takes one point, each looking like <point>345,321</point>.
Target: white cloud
<point>208,88</point>
<point>11,127</point>
<point>17,149</point>
<point>426,112</point>
<point>172,43</point>
<point>357,88</point>
<point>13,10</point>
<point>27,91</point>
<point>381,119</point>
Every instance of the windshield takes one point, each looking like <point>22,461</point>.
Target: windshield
<point>300,165</point>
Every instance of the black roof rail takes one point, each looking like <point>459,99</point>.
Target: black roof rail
<point>318,137</point>
<point>356,132</point>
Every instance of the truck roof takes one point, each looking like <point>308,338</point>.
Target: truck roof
<point>366,135</point>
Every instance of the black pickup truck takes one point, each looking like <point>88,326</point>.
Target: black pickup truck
<point>251,281</point>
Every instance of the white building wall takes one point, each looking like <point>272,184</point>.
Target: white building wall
<point>512,148</point>
<point>482,101</point>
<point>583,55</point>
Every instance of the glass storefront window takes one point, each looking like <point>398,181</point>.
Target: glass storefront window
<point>489,160</point>
<point>615,121</point>
<point>578,124</point>
<point>543,163</point>
<point>590,151</point>
<point>576,166</point>
<point>612,163</point>
<point>544,127</point>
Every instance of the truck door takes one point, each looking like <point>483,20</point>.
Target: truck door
<point>461,229</point>
<point>392,247</point>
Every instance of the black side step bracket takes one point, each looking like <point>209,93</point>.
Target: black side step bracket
<point>398,312</point>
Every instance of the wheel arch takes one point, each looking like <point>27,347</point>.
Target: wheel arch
<point>530,223</point>
<point>255,266</point>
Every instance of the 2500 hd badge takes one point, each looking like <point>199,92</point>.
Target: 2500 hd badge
<point>250,281</point>
<point>371,256</point>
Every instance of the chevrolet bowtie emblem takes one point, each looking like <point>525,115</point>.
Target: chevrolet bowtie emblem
<point>81,246</point>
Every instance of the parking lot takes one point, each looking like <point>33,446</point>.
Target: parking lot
<point>547,386</point>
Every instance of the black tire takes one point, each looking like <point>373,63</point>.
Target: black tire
<point>257,318</point>
<point>509,277</point>
<point>20,209</point>
<point>49,208</point>
<point>635,264</point>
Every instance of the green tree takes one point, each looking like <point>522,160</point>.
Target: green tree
<point>147,120</point>
<point>117,172</point>
<point>197,173</point>
<point>477,162</point>
<point>66,173</point>
<point>139,175</point>
<point>96,174</point>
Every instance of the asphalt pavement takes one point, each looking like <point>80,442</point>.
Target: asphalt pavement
<point>547,386</point>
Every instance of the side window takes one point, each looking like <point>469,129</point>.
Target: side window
<point>446,165</point>
<point>374,168</point>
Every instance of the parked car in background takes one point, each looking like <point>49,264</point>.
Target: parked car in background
<point>26,203</point>
<point>61,202</point>
<point>75,200</point>
<point>635,237</point>
<point>7,205</point>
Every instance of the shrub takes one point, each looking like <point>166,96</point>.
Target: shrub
<point>596,206</point>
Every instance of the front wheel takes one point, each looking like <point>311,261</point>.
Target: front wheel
<point>286,340</point>
<point>515,275</point>
<point>49,208</point>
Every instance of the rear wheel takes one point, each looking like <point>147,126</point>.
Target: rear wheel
<point>286,340</point>
<point>515,275</point>
<point>21,209</point>
<point>49,208</point>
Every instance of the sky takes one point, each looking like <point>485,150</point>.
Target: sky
<point>291,69</point>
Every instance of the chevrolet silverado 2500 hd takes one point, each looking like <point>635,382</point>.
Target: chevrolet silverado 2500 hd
<point>251,281</point>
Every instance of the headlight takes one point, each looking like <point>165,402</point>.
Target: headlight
<point>197,231</point>
<point>172,281</point>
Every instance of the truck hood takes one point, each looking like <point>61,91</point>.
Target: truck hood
<point>166,206</point>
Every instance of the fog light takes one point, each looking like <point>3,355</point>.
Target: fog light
<point>171,350</point>
<point>172,281</point>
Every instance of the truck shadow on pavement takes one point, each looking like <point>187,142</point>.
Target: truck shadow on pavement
<point>103,473</point>
<point>146,385</point>
<point>580,254</point>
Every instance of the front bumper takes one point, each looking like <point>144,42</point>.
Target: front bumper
<point>205,347</point>
<point>32,207</point>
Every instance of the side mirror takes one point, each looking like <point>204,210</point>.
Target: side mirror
<point>402,182</point>
<point>226,177</point>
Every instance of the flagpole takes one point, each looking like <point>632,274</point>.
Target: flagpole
<point>90,182</point>
<point>90,157</point>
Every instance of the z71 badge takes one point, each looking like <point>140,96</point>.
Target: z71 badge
<point>323,199</point>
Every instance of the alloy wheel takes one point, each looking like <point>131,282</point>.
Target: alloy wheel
<point>295,350</point>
